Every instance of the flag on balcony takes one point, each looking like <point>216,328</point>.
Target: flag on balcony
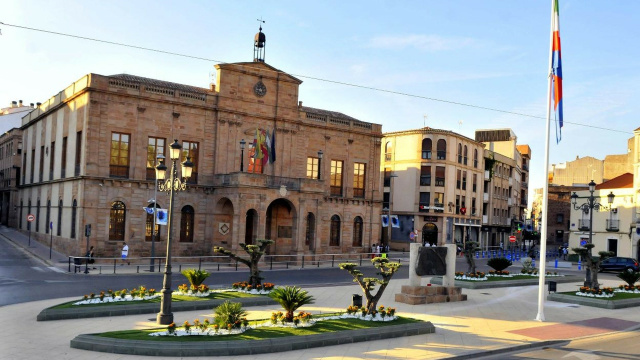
<point>161,217</point>
<point>556,72</point>
<point>258,141</point>
<point>266,147</point>
<point>385,220</point>
<point>394,221</point>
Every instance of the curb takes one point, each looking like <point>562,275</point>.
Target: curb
<point>135,309</point>
<point>506,283</point>
<point>93,342</point>
<point>535,345</point>
<point>587,301</point>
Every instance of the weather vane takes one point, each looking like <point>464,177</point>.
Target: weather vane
<point>261,22</point>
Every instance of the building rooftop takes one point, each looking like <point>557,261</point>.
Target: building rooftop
<point>624,181</point>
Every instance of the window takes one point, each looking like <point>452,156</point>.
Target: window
<point>459,153</point>
<point>190,149</point>
<point>359,171</point>
<point>425,201</point>
<point>387,177</point>
<point>464,180</point>
<point>24,169</point>
<point>442,149</point>
<point>334,239</point>
<point>439,175</point>
<point>119,164</point>
<point>312,167</point>
<point>385,201</point>
<point>38,216</point>
<point>438,201</point>
<point>155,147</point>
<point>473,206</point>
<point>117,221</point>
<point>559,218</point>
<point>388,149</point>
<point>41,168</point>
<point>33,162</point>
<point>59,228</point>
<point>78,153</point>
<point>311,230</point>
<point>457,204</point>
<point>63,159</point>
<point>74,211</point>
<point>426,148</point>
<point>425,175</point>
<point>458,178</point>
<point>52,156</point>
<point>48,216</point>
<point>475,158</point>
<point>464,155</point>
<point>357,231</point>
<point>186,224</point>
<point>336,177</point>
<point>475,182</point>
<point>148,234</point>
<point>255,165</point>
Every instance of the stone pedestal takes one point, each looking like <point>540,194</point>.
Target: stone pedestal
<point>414,295</point>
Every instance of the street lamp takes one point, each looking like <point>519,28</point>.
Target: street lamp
<point>242,144</point>
<point>320,153</point>
<point>390,202</point>
<point>589,206</point>
<point>171,185</point>
<point>154,234</point>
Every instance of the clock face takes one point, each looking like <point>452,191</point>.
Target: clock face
<point>260,89</point>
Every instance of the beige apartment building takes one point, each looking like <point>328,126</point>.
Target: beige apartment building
<point>90,152</point>
<point>436,187</point>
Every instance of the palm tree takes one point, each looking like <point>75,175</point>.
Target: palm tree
<point>291,298</point>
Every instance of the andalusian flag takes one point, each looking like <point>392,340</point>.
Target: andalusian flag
<point>556,71</point>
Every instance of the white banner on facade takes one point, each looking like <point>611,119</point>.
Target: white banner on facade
<point>161,217</point>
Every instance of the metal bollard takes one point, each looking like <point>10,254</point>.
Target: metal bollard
<point>579,264</point>
<point>477,255</point>
<point>556,265</point>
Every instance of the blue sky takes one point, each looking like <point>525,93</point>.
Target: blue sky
<point>489,53</point>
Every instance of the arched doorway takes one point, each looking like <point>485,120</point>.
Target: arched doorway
<point>280,226</point>
<point>310,235</point>
<point>430,234</point>
<point>251,226</point>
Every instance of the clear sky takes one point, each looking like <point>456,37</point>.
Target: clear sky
<point>490,53</point>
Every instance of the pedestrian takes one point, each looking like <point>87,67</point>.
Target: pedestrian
<point>565,252</point>
<point>373,250</point>
<point>125,254</point>
<point>89,256</point>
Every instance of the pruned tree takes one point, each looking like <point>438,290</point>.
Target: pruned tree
<point>470,247</point>
<point>386,269</point>
<point>591,262</point>
<point>255,252</point>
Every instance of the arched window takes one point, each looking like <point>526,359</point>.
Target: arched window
<point>475,158</point>
<point>464,155</point>
<point>311,230</point>
<point>74,211</point>
<point>459,153</point>
<point>48,216</point>
<point>148,234</point>
<point>388,149</point>
<point>59,230</point>
<point>38,216</point>
<point>426,148</point>
<point>442,149</point>
<point>117,218</point>
<point>186,224</point>
<point>334,237</point>
<point>357,231</point>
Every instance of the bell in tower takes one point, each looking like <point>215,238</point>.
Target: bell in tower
<point>258,45</point>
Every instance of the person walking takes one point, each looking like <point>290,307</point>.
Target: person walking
<point>125,254</point>
<point>565,252</point>
<point>89,256</point>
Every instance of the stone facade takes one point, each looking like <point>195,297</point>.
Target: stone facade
<point>307,203</point>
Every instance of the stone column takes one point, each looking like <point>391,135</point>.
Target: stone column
<point>414,279</point>
<point>449,279</point>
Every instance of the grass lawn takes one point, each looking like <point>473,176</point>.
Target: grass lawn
<point>617,296</point>
<point>499,278</point>
<point>175,298</point>
<point>263,333</point>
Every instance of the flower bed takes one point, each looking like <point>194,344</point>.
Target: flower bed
<point>478,276</point>
<point>628,289</point>
<point>260,289</point>
<point>596,293</point>
<point>136,294</point>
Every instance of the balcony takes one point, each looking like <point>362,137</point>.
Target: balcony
<point>266,181</point>
<point>525,185</point>
<point>485,219</point>
<point>387,157</point>
<point>525,167</point>
<point>486,175</point>
<point>510,202</point>
<point>485,197</point>
<point>613,225</point>
<point>584,224</point>
<point>439,181</point>
<point>423,207</point>
<point>510,181</point>
<point>438,207</point>
<point>441,155</point>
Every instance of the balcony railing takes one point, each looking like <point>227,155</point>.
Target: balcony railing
<point>442,155</point>
<point>584,224</point>
<point>613,225</point>
<point>387,157</point>
<point>116,171</point>
<point>423,207</point>
<point>425,180</point>
<point>426,154</point>
<point>439,181</point>
<point>438,205</point>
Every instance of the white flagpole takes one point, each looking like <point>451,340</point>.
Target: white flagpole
<point>545,188</point>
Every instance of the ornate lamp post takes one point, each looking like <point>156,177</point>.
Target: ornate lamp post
<point>590,206</point>
<point>242,144</point>
<point>171,185</point>
<point>154,234</point>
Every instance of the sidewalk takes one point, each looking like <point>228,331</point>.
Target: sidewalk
<point>491,320</point>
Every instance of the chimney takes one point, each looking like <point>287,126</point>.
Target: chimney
<point>299,103</point>
<point>14,104</point>
<point>32,105</point>
<point>212,87</point>
<point>38,104</point>
<point>20,103</point>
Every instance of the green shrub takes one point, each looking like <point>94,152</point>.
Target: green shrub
<point>229,313</point>
<point>499,264</point>
<point>630,277</point>
<point>195,276</point>
<point>291,298</point>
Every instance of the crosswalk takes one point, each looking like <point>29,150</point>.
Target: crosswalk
<point>47,268</point>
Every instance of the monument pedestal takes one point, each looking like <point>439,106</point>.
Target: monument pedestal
<point>414,295</point>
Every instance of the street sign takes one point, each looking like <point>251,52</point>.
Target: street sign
<point>30,217</point>
<point>412,235</point>
<point>512,238</point>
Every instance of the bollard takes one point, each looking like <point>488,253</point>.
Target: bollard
<point>477,255</point>
<point>483,254</point>
<point>533,263</point>
<point>556,265</point>
<point>579,264</point>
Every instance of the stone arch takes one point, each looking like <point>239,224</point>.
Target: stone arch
<point>430,234</point>
<point>281,227</point>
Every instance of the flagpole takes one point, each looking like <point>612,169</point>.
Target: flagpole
<point>545,188</point>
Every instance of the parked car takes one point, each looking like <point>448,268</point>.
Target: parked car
<point>619,264</point>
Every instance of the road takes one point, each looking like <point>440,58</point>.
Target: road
<point>620,346</point>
